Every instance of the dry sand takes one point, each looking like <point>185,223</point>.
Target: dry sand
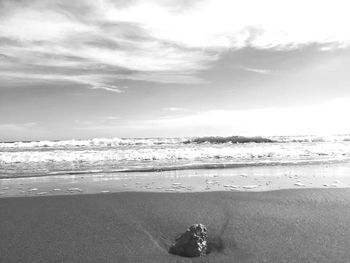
<point>303,225</point>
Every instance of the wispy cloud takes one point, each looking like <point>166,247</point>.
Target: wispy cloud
<point>257,70</point>
<point>90,81</point>
<point>99,43</point>
<point>175,109</point>
<point>51,37</point>
<point>226,23</point>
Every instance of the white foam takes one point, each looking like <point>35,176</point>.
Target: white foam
<point>99,142</point>
<point>100,155</point>
<point>74,189</point>
<point>248,152</point>
<point>250,186</point>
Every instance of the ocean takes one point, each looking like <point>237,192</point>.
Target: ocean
<point>101,155</point>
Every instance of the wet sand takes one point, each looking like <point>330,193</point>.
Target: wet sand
<point>299,225</point>
<point>264,178</point>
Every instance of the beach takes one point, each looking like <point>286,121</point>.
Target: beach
<point>124,200</point>
<point>299,225</point>
<point>174,131</point>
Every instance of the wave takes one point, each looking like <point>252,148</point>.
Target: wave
<point>116,142</point>
<point>230,139</point>
<point>176,152</point>
<point>96,142</point>
<point>124,142</point>
<point>312,138</point>
<point>271,139</point>
<point>113,155</point>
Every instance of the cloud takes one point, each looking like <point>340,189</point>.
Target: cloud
<point>256,70</point>
<point>326,118</point>
<point>319,119</point>
<point>99,43</point>
<point>226,23</point>
<point>53,34</point>
<point>175,109</point>
<point>90,81</point>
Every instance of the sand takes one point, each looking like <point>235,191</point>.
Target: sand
<point>299,225</point>
<point>263,178</point>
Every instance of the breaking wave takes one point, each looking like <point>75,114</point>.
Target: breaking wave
<point>96,142</point>
<point>117,142</point>
<point>18,159</point>
<point>230,139</point>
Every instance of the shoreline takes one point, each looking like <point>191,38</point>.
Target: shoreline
<point>205,166</point>
<point>295,225</point>
<point>255,178</point>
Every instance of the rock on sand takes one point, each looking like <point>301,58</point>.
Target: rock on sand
<point>192,243</point>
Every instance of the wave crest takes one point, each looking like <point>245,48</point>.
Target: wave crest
<point>230,139</point>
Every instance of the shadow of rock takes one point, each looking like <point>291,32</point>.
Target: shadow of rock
<point>215,244</point>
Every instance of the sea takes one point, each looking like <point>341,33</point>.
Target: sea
<point>122,155</point>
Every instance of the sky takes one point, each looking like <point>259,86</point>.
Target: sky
<point>131,68</point>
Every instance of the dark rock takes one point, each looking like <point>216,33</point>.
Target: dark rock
<point>192,243</point>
